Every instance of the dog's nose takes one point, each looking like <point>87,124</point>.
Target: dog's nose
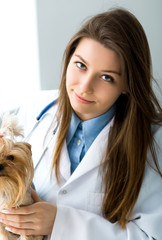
<point>1,167</point>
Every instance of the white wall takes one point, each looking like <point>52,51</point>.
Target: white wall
<point>58,21</point>
<point>19,64</point>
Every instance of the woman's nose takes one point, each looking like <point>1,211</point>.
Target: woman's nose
<point>87,83</point>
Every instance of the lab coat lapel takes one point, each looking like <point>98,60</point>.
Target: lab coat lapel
<point>92,159</point>
<point>64,157</point>
<point>65,162</point>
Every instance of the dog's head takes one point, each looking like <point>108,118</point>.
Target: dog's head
<point>16,170</point>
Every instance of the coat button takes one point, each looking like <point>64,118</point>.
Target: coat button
<point>78,142</point>
<point>64,191</point>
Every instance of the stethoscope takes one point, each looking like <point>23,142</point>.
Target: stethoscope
<point>39,118</point>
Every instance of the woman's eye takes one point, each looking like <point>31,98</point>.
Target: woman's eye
<point>80,65</point>
<point>107,78</point>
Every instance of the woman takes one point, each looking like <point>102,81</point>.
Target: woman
<point>105,166</point>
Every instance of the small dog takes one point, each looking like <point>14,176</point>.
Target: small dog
<point>16,173</point>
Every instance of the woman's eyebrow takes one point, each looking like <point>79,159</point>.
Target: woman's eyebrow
<point>82,59</point>
<point>108,71</point>
<point>112,71</point>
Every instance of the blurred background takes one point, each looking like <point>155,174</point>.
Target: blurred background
<point>34,34</point>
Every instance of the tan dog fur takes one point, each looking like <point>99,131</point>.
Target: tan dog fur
<point>16,173</point>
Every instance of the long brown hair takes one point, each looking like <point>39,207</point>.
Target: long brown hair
<point>131,134</point>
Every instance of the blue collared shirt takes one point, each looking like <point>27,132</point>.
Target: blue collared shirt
<point>81,135</point>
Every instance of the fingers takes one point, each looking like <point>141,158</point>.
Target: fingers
<point>17,224</point>
<point>17,216</point>
<point>36,219</point>
<point>7,218</point>
<point>19,231</point>
<point>23,225</point>
<point>21,210</point>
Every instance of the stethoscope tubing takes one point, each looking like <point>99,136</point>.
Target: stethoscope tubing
<point>45,109</point>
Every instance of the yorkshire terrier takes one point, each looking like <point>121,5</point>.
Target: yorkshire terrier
<point>16,173</point>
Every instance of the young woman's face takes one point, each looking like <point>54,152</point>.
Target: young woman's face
<point>93,79</point>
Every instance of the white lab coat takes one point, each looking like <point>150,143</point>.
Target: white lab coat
<point>79,196</point>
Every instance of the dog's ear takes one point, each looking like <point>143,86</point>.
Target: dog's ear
<point>27,145</point>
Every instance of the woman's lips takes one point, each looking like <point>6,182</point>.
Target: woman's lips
<point>82,100</point>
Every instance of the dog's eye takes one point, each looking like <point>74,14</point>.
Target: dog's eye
<point>10,157</point>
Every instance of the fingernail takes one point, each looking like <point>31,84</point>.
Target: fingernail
<point>5,211</point>
<point>8,229</point>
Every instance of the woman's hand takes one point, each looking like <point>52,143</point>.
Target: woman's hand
<point>35,219</point>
